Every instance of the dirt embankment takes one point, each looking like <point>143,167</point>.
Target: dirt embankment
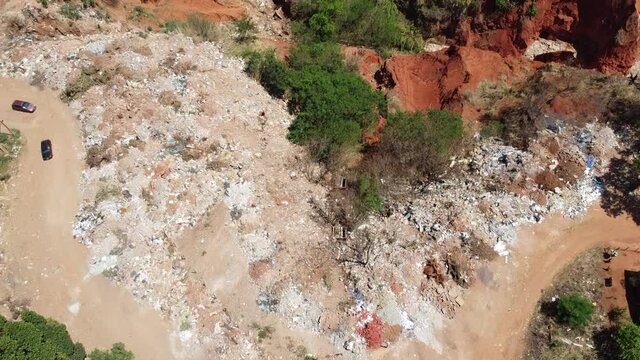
<point>42,265</point>
<point>605,34</point>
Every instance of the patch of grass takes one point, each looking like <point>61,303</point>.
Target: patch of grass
<point>264,332</point>
<point>492,129</point>
<point>171,26</point>
<point>532,10</point>
<point>89,77</point>
<point>369,198</point>
<point>10,145</point>
<point>107,191</point>
<point>70,11</point>
<point>245,30</point>
<point>201,28</point>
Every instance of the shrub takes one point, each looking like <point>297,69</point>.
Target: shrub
<point>326,55</point>
<point>332,110</point>
<point>44,3</point>
<point>627,340</point>
<point>417,144</point>
<point>88,4</point>
<point>377,24</point>
<point>532,10</point>
<point>117,352</point>
<point>245,29</point>
<point>201,28</point>
<point>70,11</point>
<point>574,310</point>
<point>369,198</point>
<point>89,77</point>
<point>272,74</point>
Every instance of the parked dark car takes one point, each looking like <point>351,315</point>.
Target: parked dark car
<point>23,106</point>
<point>45,150</point>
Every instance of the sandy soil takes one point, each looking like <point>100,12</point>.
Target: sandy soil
<point>42,263</point>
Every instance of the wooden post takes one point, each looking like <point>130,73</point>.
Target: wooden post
<point>5,125</point>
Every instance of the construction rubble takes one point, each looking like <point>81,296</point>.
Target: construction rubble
<point>174,129</point>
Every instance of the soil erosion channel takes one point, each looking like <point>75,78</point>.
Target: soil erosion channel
<point>43,264</point>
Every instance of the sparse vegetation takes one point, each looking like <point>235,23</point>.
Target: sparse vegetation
<point>436,17</point>
<point>44,3</point>
<point>369,198</point>
<point>171,26</point>
<point>245,30</point>
<point>88,78</point>
<point>417,144</point>
<point>10,145</point>
<point>70,11</point>
<point>264,332</point>
<point>200,28</point>
<point>107,191</point>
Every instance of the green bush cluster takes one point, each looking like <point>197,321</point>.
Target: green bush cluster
<point>377,24</point>
<point>369,198</point>
<point>574,310</point>
<point>332,105</point>
<point>70,11</point>
<point>418,144</point>
<point>434,16</point>
<point>627,340</point>
<point>35,337</point>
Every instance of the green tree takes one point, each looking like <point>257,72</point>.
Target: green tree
<point>332,110</point>
<point>117,352</point>
<point>34,337</point>
<point>574,310</point>
<point>627,339</point>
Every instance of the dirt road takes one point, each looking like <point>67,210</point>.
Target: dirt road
<point>42,263</point>
<point>493,321</point>
<point>492,324</point>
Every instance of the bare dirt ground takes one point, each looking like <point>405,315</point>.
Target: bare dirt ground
<point>627,259</point>
<point>41,263</point>
<point>492,324</point>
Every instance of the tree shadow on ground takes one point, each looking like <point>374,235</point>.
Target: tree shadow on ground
<point>621,183</point>
<point>604,344</point>
<point>621,187</point>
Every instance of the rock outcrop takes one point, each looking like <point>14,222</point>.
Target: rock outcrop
<point>605,33</point>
